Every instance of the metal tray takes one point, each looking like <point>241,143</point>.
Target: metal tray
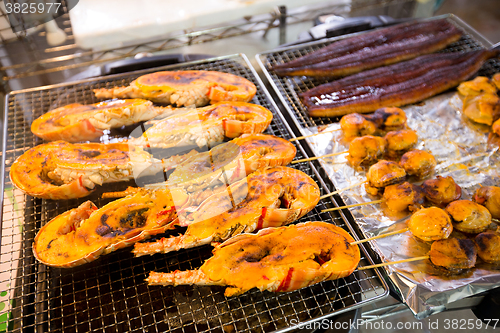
<point>110,294</point>
<point>288,88</point>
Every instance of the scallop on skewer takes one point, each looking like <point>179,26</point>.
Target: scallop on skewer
<point>488,246</point>
<point>489,196</point>
<point>368,149</point>
<point>417,163</point>
<point>429,223</point>
<point>382,120</point>
<point>452,254</point>
<point>468,216</point>
<point>355,124</point>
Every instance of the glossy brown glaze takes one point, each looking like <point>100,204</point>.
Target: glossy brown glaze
<point>394,85</point>
<point>374,49</point>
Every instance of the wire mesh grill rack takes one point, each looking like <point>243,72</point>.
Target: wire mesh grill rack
<point>289,88</point>
<point>110,294</point>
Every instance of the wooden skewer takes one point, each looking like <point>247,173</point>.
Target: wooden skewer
<point>381,236</point>
<point>343,189</point>
<point>354,205</point>
<point>393,262</point>
<point>308,136</point>
<point>318,157</point>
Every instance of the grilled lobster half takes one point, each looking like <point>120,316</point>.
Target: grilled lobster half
<point>61,170</point>
<point>83,234</point>
<point>272,196</point>
<point>77,122</point>
<point>269,197</point>
<point>185,88</point>
<point>206,126</point>
<point>275,259</point>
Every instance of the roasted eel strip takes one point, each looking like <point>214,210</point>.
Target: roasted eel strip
<point>394,85</point>
<point>373,49</point>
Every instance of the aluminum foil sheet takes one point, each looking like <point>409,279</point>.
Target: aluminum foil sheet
<point>464,151</point>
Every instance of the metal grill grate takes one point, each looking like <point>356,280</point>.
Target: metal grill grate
<point>289,88</point>
<point>110,294</point>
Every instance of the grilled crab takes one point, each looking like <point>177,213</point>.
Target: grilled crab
<point>77,122</point>
<point>269,197</point>
<point>61,170</point>
<point>206,126</point>
<point>275,259</point>
<point>185,88</point>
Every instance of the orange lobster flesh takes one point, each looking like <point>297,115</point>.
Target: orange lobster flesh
<point>275,259</point>
<point>83,234</point>
<point>77,122</point>
<point>231,161</point>
<point>61,170</point>
<point>269,197</point>
<point>185,88</point>
<point>206,126</point>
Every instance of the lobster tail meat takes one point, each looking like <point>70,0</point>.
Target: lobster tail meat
<point>275,259</point>
<point>394,85</point>
<point>61,170</point>
<point>269,197</point>
<point>185,88</point>
<point>77,122</point>
<point>83,234</point>
<point>373,49</point>
<point>206,126</point>
<point>231,161</point>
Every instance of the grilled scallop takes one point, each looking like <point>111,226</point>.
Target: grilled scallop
<point>365,150</point>
<point>480,84</point>
<point>488,246</point>
<point>403,196</point>
<point>453,254</point>
<point>382,174</point>
<point>399,142</point>
<point>430,224</point>
<point>388,118</point>
<point>418,163</point>
<point>469,216</point>
<point>355,125</point>
<point>382,120</point>
<point>489,196</point>
<point>441,190</point>
<point>483,108</point>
